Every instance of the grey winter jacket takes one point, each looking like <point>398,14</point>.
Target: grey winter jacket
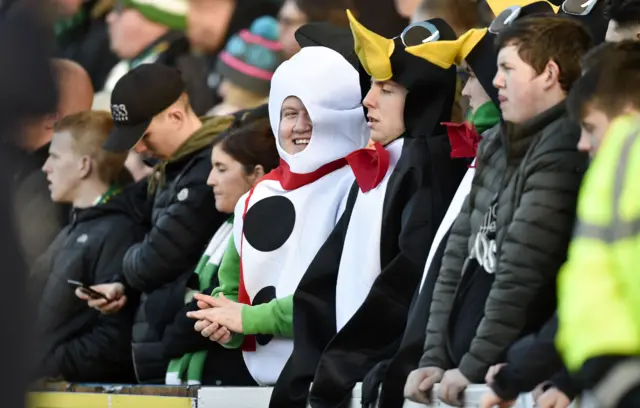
<point>536,170</point>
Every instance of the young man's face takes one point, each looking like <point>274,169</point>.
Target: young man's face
<point>295,126</point>
<point>615,33</point>
<point>385,104</point>
<point>593,128</point>
<point>474,91</point>
<point>519,86</point>
<point>64,168</point>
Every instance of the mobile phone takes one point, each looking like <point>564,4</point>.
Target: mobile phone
<point>92,293</point>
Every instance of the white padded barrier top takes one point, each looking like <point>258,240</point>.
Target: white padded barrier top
<point>258,397</point>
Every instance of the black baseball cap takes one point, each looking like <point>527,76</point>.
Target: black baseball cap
<point>138,96</point>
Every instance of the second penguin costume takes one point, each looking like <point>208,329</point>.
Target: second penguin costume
<point>351,306</point>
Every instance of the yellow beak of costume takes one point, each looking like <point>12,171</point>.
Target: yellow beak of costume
<point>446,53</point>
<point>373,50</point>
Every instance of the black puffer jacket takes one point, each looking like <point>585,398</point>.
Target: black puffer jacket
<point>183,218</point>
<point>537,171</point>
<point>82,344</point>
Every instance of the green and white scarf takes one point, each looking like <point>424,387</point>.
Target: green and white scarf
<point>188,369</point>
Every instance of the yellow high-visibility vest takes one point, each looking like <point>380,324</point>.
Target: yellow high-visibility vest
<point>599,285</point>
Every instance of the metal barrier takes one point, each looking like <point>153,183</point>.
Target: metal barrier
<point>127,396</point>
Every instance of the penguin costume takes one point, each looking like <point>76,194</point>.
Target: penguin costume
<point>351,306</point>
<point>477,49</point>
<point>282,222</point>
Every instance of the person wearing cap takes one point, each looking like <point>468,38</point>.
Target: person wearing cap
<point>142,32</point>
<point>153,116</point>
<point>497,280</point>
<point>246,65</point>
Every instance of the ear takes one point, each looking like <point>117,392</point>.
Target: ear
<point>176,116</point>
<point>551,74</point>
<point>85,167</point>
<point>258,173</point>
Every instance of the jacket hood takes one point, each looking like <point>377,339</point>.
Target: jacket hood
<point>329,88</point>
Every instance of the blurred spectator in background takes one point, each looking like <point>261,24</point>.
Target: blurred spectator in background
<point>624,20</point>
<point>599,329</point>
<point>28,91</point>
<point>81,35</point>
<point>296,13</point>
<point>461,15</point>
<point>247,65</point>
<point>211,23</point>
<point>81,344</point>
<point>38,219</point>
<point>143,32</point>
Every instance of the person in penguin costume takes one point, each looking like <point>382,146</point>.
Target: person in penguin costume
<point>480,58</point>
<point>315,113</point>
<point>351,306</point>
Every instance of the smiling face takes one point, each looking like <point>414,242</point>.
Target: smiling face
<point>65,169</point>
<point>385,104</point>
<point>295,126</point>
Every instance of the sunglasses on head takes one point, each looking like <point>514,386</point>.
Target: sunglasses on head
<point>419,33</point>
<point>578,7</point>
<point>504,19</point>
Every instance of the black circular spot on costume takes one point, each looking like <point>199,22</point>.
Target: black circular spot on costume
<point>264,295</point>
<point>269,223</point>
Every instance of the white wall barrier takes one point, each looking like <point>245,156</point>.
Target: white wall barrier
<point>258,397</point>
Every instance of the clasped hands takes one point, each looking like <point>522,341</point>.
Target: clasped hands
<point>218,318</point>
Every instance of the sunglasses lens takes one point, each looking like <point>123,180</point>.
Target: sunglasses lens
<point>504,19</point>
<point>419,33</point>
<point>578,7</point>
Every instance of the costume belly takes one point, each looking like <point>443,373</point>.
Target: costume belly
<point>360,260</point>
<point>282,232</point>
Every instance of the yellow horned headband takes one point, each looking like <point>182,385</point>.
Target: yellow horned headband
<point>373,50</point>
<point>446,53</point>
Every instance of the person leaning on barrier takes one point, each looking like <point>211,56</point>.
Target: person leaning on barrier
<point>598,287</point>
<point>497,282</point>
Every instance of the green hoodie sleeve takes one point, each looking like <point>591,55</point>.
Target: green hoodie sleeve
<point>275,317</point>
<point>229,277</point>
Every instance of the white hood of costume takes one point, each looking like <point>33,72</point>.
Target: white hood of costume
<point>329,88</point>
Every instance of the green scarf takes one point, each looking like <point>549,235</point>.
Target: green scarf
<point>109,194</point>
<point>189,368</point>
<point>485,117</point>
<point>62,26</point>
<point>203,137</point>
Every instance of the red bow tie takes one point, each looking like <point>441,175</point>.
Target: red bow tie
<point>464,139</point>
<point>369,166</point>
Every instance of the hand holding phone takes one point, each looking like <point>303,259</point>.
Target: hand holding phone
<point>90,292</point>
